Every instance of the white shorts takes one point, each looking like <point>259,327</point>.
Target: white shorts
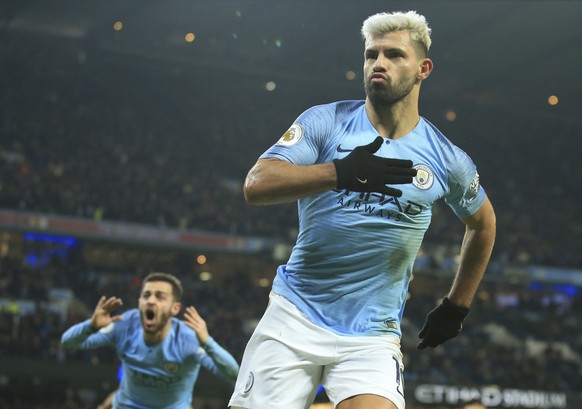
<point>288,357</point>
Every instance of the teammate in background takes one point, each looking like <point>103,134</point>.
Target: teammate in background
<point>335,308</point>
<point>108,401</point>
<point>161,356</point>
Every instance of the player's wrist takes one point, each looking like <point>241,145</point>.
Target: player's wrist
<point>457,311</point>
<point>91,328</point>
<point>206,343</point>
<point>340,173</point>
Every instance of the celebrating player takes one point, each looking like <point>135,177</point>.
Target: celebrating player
<point>366,175</point>
<point>161,356</point>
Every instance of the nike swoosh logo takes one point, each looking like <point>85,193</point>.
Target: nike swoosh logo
<point>340,149</point>
<point>362,181</point>
<point>398,390</point>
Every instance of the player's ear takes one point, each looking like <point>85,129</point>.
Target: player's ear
<point>424,69</point>
<point>176,308</point>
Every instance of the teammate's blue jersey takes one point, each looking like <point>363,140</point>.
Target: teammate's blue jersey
<point>350,267</point>
<point>155,376</point>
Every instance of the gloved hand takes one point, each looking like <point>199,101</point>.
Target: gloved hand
<point>362,171</point>
<point>442,323</point>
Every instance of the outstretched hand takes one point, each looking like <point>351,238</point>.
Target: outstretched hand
<point>102,314</point>
<point>362,171</point>
<point>195,321</point>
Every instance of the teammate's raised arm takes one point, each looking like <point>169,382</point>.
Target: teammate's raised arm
<point>139,334</point>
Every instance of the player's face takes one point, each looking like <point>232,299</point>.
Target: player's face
<point>156,305</point>
<point>390,68</point>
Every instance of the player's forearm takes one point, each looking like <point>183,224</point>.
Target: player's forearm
<point>273,181</point>
<point>224,363</point>
<point>475,254</point>
<point>76,336</point>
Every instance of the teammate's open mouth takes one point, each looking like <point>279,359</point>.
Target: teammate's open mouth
<point>150,315</point>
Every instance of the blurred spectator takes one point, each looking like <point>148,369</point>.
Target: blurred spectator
<point>110,139</point>
<point>106,139</point>
<point>525,329</point>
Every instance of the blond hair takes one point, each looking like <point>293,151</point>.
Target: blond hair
<point>384,23</point>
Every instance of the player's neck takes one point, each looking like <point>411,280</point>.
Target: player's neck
<point>154,338</point>
<point>393,121</point>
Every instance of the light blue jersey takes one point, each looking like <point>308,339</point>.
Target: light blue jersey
<point>155,376</point>
<point>350,267</point>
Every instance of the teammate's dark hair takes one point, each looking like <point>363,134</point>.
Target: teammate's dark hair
<point>176,284</point>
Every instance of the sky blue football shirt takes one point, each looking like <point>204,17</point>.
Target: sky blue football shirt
<point>155,376</point>
<point>350,267</point>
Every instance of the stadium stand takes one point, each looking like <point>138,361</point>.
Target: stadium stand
<point>73,142</point>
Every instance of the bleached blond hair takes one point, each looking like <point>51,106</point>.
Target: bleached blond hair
<point>384,23</point>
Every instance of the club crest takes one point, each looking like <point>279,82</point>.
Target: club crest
<point>171,367</point>
<point>424,178</point>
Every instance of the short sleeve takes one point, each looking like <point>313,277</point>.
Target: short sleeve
<point>466,195</point>
<point>302,143</point>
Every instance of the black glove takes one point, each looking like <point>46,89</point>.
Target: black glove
<point>442,323</point>
<point>362,171</point>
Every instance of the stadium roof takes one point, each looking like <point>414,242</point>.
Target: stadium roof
<point>511,55</point>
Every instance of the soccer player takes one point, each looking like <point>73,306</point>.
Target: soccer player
<point>161,356</point>
<point>108,401</point>
<point>366,175</point>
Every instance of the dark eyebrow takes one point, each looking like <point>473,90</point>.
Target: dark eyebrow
<point>155,292</point>
<point>395,49</point>
<point>369,51</point>
<point>388,50</point>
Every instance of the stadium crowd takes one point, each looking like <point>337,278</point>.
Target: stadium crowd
<point>511,331</point>
<point>74,141</point>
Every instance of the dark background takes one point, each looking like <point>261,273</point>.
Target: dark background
<point>139,126</point>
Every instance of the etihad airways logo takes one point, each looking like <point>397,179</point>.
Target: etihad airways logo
<point>377,204</point>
